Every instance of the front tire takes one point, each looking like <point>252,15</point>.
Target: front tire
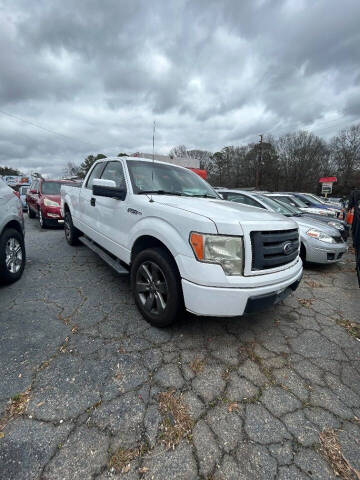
<point>12,256</point>
<point>156,286</point>
<point>42,221</point>
<point>72,234</point>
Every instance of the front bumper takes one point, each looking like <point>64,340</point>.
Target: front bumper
<point>329,253</point>
<point>52,215</point>
<point>232,302</point>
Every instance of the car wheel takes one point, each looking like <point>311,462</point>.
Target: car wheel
<point>12,256</point>
<point>156,287</point>
<point>42,221</point>
<point>30,212</point>
<point>72,234</point>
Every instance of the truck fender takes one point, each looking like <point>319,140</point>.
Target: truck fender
<point>162,231</point>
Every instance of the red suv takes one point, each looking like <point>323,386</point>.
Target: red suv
<point>43,200</point>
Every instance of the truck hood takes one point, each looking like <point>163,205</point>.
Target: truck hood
<point>228,216</point>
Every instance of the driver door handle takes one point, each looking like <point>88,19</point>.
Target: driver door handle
<point>93,201</point>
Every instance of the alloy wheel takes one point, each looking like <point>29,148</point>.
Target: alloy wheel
<point>13,255</point>
<point>151,287</point>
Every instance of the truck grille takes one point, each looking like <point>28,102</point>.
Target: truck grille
<point>271,249</point>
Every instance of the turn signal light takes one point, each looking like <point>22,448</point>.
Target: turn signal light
<point>197,243</point>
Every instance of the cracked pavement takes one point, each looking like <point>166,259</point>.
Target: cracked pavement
<point>258,390</point>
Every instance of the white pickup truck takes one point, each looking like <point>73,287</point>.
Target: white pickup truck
<point>182,244</point>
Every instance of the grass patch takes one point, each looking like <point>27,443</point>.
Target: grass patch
<point>197,365</point>
<point>352,328</point>
<point>313,284</point>
<point>17,406</point>
<point>331,449</point>
<point>177,423</point>
<point>120,460</point>
<point>305,302</point>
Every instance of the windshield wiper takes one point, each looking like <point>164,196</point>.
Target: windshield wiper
<point>159,192</point>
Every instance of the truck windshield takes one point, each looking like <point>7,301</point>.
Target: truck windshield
<point>148,177</point>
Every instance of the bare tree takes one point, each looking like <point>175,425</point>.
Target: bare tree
<point>71,169</point>
<point>303,159</point>
<point>345,155</point>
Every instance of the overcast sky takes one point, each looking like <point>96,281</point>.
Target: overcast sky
<point>210,72</point>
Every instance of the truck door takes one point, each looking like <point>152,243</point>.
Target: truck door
<point>113,221</point>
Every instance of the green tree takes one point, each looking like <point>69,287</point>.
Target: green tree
<point>88,163</point>
<point>123,155</point>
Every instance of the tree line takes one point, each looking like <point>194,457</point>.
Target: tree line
<point>291,162</point>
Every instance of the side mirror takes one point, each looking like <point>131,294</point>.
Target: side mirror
<point>107,188</point>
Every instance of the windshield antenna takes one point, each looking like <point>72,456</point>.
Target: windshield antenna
<point>153,160</point>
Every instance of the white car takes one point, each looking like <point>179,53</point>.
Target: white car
<point>183,244</point>
<point>12,247</point>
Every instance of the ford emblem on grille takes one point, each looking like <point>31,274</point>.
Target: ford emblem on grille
<point>288,247</point>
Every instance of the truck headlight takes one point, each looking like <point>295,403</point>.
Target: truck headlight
<point>50,203</point>
<point>323,237</point>
<point>337,225</point>
<point>220,249</point>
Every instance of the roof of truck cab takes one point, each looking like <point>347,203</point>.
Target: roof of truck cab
<point>141,159</point>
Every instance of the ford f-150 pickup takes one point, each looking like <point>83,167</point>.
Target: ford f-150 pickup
<point>182,244</point>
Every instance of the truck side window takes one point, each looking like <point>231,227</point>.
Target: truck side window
<point>114,171</point>
<point>96,173</point>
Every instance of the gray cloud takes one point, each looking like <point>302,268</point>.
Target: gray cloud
<point>211,73</point>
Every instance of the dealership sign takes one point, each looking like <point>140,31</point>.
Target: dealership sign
<point>326,184</point>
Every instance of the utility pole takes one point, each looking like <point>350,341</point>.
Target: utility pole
<point>259,162</point>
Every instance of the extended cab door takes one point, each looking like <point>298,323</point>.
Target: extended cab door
<point>87,215</point>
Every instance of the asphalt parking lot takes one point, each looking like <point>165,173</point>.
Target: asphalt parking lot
<point>89,390</point>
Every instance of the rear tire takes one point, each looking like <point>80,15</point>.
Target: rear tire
<point>30,212</point>
<point>72,234</point>
<point>156,286</point>
<point>12,256</point>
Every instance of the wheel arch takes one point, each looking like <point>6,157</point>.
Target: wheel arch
<point>148,241</point>
<point>13,224</point>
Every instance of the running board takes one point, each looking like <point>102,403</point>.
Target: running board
<point>115,264</point>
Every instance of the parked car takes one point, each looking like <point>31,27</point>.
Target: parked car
<point>333,207</point>
<point>43,201</point>
<point>315,203</point>
<point>288,200</point>
<point>320,243</point>
<point>291,199</point>
<point>23,189</point>
<point>180,242</point>
<point>12,246</point>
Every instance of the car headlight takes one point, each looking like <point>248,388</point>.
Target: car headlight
<point>220,249</point>
<point>337,225</point>
<point>50,203</point>
<point>323,237</point>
